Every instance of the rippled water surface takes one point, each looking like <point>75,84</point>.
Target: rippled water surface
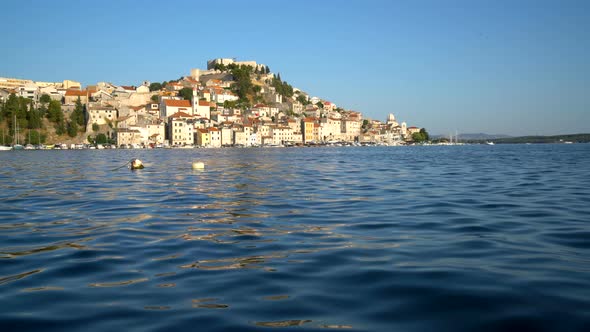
<point>368,239</point>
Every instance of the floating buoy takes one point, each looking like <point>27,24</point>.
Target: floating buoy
<point>198,165</point>
<point>136,164</point>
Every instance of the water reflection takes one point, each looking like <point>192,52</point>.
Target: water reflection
<point>19,276</point>
<point>206,304</point>
<point>284,323</point>
<point>377,239</point>
<point>118,283</point>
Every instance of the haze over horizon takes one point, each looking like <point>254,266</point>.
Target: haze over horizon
<point>496,67</point>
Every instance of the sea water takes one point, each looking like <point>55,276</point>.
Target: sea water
<point>432,238</point>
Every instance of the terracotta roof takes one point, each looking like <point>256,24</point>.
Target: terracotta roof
<point>203,131</point>
<point>128,87</point>
<point>177,103</point>
<point>213,129</point>
<point>81,93</point>
<point>204,103</point>
<point>181,115</point>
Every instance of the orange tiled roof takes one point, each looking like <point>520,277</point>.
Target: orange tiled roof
<point>181,115</point>
<point>74,93</point>
<point>177,103</point>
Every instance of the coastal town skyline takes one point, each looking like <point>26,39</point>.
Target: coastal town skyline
<point>466,68</point>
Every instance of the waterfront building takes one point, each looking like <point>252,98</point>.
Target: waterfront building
<point>203,138</point>
<point>214,137</point>
<point>307,129</point>
<point>180,129</point>
<point>128,136</point>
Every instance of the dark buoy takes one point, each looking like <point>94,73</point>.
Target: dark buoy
<point>135,164</point>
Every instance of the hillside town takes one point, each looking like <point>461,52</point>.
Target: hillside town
<point>230,103</point>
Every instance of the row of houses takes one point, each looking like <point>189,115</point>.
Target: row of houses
<point>136,115</point>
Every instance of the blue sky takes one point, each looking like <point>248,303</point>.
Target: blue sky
<point>510,67</point>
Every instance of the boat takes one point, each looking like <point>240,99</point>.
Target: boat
<point>4,147</point>
<point>16,146</point>
<point>490,143</point>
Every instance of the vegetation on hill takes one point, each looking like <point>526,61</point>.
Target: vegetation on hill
<point>421,136</point>
<point>36,124</point>
<point>574,138</point>
<point>248,85</point>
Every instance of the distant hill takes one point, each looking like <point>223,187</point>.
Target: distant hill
<point>573,138</point>
<point>474,137</point>
<point>505,139</point>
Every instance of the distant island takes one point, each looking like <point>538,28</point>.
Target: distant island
<point>537,139</point>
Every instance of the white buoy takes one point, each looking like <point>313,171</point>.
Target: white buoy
<point>198,165</point>
<point>136,164</point>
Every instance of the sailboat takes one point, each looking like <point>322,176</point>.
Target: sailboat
<point>16,146</point>
<point>4,147</point>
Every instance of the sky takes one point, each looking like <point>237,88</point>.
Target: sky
<point>510,67</point>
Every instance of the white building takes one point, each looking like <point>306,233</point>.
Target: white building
<point>202,108</point>
<point>214,137</point>
<point>29,90</point>
<point>172,106</point>
<point>100,115</point>
<point>181,131</point>
<point>227,136</point>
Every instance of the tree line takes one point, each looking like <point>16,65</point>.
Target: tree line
<point>20,113</point>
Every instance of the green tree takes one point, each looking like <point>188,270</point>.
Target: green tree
<point>60,127</point>
<point>243,86</point>
<point>10,110</point>
<point>156,86</point>
<point>365,124</point>
<point>72,128</point>
<point>33,117</point>
<point>35,137</point>
<point>45,98</point>
<point>186,93</point>
<point>220,66</point>
<point>155,98</point>
<point>77,115</point>
<point>421,136</point>
<point>266,70</point>
<point>230,104</point>
<point>95,127</point>
<point>16,109</point>
<point>320,104</point>
<point>282,88</point>
<point>302,99</point>
<point>54,112</point>
<point>425,134</point>
<point>101,139</point>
